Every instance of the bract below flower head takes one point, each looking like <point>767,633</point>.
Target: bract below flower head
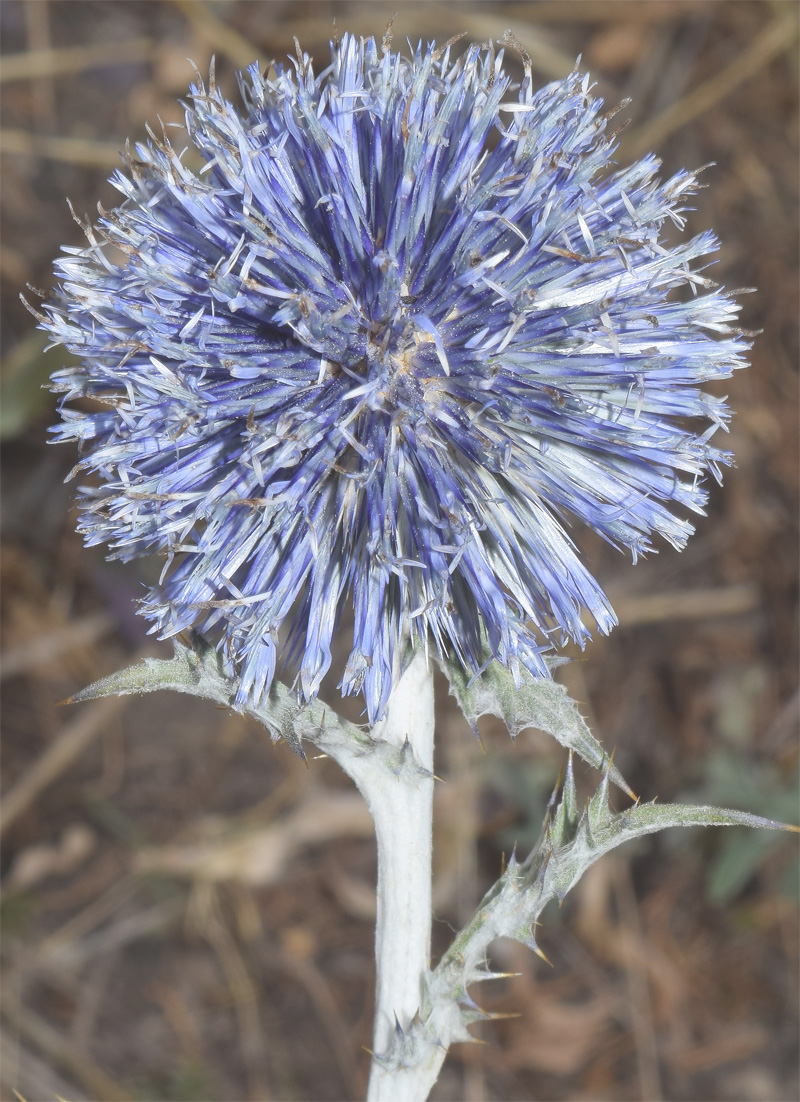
<point>403,325</point>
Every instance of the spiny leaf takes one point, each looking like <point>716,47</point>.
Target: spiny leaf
<point>563,855</point>
<point>567,812</point>
<point>597,809</point>
<point>535,702</point>
<point>197,669</point>
<point>649,818</point>
<point>190,668</point>
<point>570,843</point>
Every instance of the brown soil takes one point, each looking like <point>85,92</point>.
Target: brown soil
<point>130,973</point>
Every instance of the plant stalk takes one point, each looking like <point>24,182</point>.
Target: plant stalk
<point>402,807</point>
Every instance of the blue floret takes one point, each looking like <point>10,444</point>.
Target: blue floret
<point>406,323</point>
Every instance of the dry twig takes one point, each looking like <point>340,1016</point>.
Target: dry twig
<point>34,64</point>
<point>692,604</point>
<point>51,644</point>
<point>777,37</point>
<point>70,743</point>
<point>78,151</point>
<point>61,1050</point>
<point>222,38</point>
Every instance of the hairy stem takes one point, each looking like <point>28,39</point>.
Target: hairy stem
<point>402,807</point>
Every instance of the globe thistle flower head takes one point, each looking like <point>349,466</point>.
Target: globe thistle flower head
<point>400,325</point>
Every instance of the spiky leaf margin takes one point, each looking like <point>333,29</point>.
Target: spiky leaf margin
<point>573,838</point>
<point>197,669</point>
<point>528,702</point>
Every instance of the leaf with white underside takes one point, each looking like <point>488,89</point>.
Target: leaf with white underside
<point>197,669</point>
<point>536,702</point>
<point>573,838</point>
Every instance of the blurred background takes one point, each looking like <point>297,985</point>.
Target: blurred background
<point>187,909</point>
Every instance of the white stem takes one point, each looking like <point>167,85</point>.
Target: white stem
<point>393,769</point>
<point>402,807</point>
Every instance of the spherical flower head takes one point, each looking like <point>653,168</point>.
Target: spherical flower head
<point>369,345</point>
